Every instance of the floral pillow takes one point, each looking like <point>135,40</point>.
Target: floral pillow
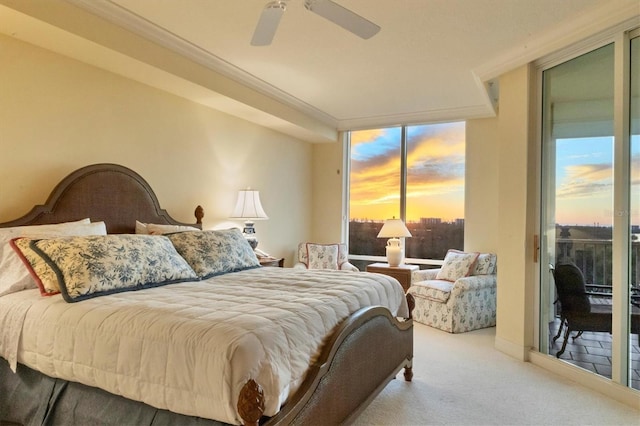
<point>322,256</point>
<point>486,264</point>
<point>87,267</point>
<point>213,253</point>
<point>15,276</point>
<point>457,264</point>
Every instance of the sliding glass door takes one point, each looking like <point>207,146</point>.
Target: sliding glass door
<point>590,211</point>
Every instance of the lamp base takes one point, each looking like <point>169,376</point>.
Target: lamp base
<point>395,256</point>
<point>253,241</point>
<point>249,233</point>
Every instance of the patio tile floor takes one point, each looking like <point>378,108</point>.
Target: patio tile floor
<point>592,351</point>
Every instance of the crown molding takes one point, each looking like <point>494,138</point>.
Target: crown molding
<point>430,116</point>
<point>136,24</point>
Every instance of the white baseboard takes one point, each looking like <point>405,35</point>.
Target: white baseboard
<point>623,394</point>
<point>615,391</point>
<point>512,349</point>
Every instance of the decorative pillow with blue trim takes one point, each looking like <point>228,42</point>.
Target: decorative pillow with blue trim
<point>15,276</point>
<point>43,275</point>
<point>218,252</point>
<point>457,264</point>
<point>87,267</point>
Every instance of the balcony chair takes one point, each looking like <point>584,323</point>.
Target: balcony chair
<point>577,311</point>
<point>324,256</point>
<point>458,297</point>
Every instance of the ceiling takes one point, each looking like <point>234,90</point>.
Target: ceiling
<point>433,60</point>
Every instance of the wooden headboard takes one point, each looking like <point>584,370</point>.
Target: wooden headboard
<point>103,192</point>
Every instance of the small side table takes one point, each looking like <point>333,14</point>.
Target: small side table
<point>271,261</point>
<point>401,273</point>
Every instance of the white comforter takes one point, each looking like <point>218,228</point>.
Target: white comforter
<point>190,347</point>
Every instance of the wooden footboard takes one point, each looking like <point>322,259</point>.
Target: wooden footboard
<point>361,358</point>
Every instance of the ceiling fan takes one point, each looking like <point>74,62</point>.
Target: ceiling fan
<point>350,21</point>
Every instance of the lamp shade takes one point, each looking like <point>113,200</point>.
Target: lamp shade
<point>248,206</point>
<point>394,228</point>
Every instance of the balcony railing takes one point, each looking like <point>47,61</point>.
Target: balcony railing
<point>594,258</point>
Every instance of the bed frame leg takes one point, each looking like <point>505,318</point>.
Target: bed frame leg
<point>251,403</point>
<point>408,373</point>
<point>411,303</point>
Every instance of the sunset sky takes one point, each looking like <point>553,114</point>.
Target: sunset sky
<point>435,156</point>
<point>435,178</point>
<point>584,184</point>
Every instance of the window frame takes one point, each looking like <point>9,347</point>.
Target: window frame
<point>346,139</point>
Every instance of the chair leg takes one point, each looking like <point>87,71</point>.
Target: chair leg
<point>577,335</point>
<point>564,343</point>
<point>562,321</point>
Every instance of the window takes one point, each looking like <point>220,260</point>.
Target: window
<point>415,173</point>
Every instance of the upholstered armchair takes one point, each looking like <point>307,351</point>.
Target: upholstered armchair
<point>323,256</point>
<point>460,296</point>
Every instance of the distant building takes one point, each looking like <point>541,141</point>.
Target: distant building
<point>430,221</point>
<point>459,222</point>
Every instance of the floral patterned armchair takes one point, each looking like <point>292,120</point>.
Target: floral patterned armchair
<point>460,296</point>
<point>324,256</point>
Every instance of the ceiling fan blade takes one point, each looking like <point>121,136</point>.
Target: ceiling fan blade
<point>343,17</point>
<point>268,23</point>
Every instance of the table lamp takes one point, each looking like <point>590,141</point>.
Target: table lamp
<point>394,229</point>
<point>249,209</point>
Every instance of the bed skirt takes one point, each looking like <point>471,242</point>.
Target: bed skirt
<point>30,398</point>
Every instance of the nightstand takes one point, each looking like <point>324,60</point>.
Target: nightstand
<point>401,273</point>
<point>271,261</point>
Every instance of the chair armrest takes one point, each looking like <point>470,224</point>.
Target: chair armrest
<point>424,275</point>
<point>474,282</point>
<point>607,288</point>
<point>299,265</point>
<point>346,266</point>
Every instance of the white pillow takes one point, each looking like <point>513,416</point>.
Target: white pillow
<point>14,276</point>
<point>159,229</point>
<point>141,228</point>
<point>457,264</point>
<point>155,229</point>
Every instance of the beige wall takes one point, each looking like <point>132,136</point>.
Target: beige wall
<point>328,176</point>
<point>515,324</point>
<point>481,185</point>
<point>58,114</point>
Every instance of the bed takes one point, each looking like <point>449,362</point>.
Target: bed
<point>348,356</point>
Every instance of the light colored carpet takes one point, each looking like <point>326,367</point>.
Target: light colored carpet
<point>460,379</point>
